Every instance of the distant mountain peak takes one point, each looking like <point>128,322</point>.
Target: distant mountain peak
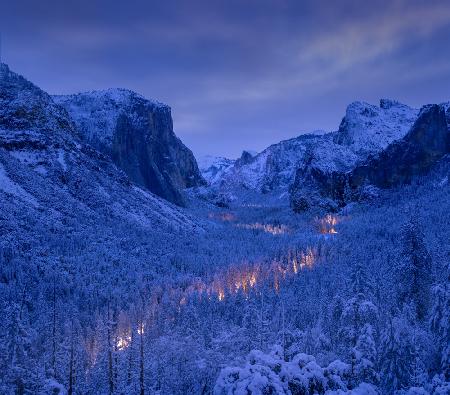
<point>213,167</point>
<point>370,128</point>
<point>246,158</point>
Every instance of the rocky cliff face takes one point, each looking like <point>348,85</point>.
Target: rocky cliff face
<point>138,135</point>
<point>426,142</point>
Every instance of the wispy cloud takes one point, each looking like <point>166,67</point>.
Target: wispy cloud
<point>237,72</point>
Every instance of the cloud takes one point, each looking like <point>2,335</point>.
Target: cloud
<point>319,62</point>
<point>256,71</point>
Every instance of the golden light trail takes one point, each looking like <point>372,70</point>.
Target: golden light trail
<point>327,224</point>
<point>249,276</point>
<point>239,279</point>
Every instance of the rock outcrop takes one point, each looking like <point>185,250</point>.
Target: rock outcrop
<point>138,135</point>
<point>426,142</point>
<point>245,159</point>
<point>368,129</point>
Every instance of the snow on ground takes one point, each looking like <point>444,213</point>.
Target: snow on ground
<point>61,159</point>
<point>10,187</point>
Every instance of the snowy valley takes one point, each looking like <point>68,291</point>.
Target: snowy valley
<point>317,266</point>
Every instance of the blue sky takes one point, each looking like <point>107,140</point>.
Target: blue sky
<point>237,74</point>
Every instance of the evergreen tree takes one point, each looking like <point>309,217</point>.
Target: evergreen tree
<point>365,356</point>
<point>419,375</point>
<point>359,280</point>
<point>397,349</point>
<point>440,324</point>
<point>414,269</point>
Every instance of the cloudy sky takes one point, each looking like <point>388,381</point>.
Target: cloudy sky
<point>237,74</point>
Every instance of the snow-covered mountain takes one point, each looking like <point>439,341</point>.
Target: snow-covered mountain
<point>51,180</point>
<point>213,167</point>
<point>365,130</point>
<point>138,135</point>
<point>315,167</point>
<point>272,169</point>
<point>368,129</point>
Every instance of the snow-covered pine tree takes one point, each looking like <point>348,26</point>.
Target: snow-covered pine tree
<point>414,269</point>
<point>357,313</point>
<point>440,323</point>
<point>365,356</point>
<point>397,348</point>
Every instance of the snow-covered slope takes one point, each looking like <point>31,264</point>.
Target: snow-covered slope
<point>23,106</point>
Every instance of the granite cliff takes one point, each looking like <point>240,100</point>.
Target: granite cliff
<point>138,135</point>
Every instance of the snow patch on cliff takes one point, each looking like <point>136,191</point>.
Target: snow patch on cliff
<point>367,128</point>
<point>97,112</point>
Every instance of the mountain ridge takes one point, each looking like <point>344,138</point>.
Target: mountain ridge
<point>303,165</point>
